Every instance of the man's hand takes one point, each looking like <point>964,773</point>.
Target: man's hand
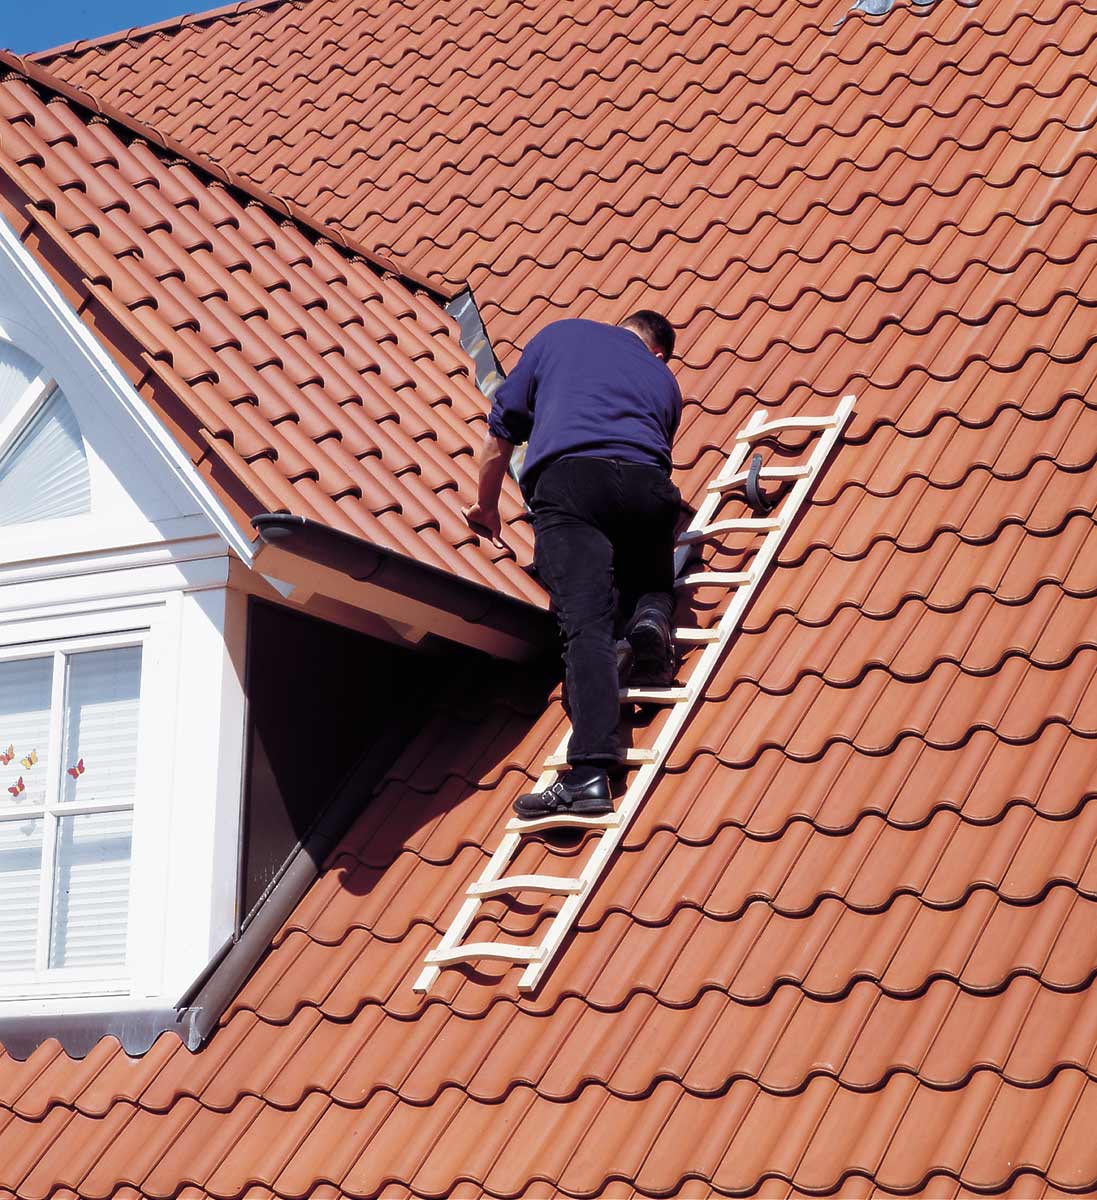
<point>481,518</point>
<point>484,514</point>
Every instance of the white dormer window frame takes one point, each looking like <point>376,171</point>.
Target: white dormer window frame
<point>46,979</point>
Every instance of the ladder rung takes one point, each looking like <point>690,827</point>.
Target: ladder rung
<point>722,485</point>
<point>716,579</point>
<point>667,695</point>
<point>688,634</point>
<point>553,884</point>
<point>563,821</point>
<point>503,951</point>
<point>738,525</point>
<point>761,431</point>
<point>632,757</point>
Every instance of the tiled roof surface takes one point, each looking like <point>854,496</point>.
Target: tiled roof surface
<point>848,946</point>
<point>298,375</point>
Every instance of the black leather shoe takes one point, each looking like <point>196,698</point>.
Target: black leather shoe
<point>586,800</point>
<point>649,636</point>
<point>624,663</point>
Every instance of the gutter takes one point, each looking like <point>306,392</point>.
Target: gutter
<point>469,601</point>
<point>199,1010</point>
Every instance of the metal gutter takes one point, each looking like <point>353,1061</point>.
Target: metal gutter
<point>473,602</point>
<point>206,1000</point>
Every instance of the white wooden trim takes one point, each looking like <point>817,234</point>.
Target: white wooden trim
<point>91,358</point>
<point>47,865</point>
<point>189,777</point>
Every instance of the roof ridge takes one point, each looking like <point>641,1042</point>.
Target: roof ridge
<point>136,32</point>
<point>284,208</point>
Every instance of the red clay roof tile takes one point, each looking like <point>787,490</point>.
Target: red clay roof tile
<point>844,949</point>
<point>329,354</point>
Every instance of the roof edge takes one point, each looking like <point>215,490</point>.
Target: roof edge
<point>466,599</point>
<point>136,32</point>
<point>286,209</point>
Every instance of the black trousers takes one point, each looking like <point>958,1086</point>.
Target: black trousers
<point>605,550</point>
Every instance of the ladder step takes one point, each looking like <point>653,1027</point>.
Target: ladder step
<point>761,431</point>
<point>632,758</point>
<point>668,695</point>
<point>716,579</point>
<point>552,884</point>
<point>738,525</point>
<point>740,477</point>
<point>502,951</point>
<point>563,821</point>
<point>687,634</point>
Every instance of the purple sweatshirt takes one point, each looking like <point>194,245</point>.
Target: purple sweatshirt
<point>584,388</point>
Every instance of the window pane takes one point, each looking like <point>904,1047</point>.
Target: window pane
<point>91,890</point>
<point>100,758</point>
<point>24,730</point>
<point>45,474</point>
<point>20,866</point>
<point>16,372</point>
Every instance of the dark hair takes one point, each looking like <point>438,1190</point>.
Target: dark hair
<point>654,328</point>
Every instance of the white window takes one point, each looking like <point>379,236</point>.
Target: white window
<point>43,464</point>
<point>68,771</point>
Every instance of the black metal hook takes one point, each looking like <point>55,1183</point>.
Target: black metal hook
<point>756,498</point>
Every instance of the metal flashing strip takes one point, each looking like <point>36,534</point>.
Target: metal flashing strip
<point>78,1033</point>
<point>475,341</point>
<point>538,957</point>
<point>212,993</point>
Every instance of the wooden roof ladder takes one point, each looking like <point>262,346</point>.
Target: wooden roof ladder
<point>774,526</point>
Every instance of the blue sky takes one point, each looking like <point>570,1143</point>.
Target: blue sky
<point>27,25</point>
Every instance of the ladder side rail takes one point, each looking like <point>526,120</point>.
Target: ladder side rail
<point>466,914</point>
<point>569,911</point>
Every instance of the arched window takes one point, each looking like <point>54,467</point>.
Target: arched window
<point>43,464</point>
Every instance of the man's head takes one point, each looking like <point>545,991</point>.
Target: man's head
<point>656,332</point>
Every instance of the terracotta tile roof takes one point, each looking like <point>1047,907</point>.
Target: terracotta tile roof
<point>846,948</point>
<point>302,377</point>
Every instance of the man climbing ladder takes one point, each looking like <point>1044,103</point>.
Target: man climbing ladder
<point>599,408</point>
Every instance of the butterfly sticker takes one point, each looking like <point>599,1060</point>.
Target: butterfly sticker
<point>78,770</point>
<point>30,760</point>
<point>18,787</point>
<point>7,755</point>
